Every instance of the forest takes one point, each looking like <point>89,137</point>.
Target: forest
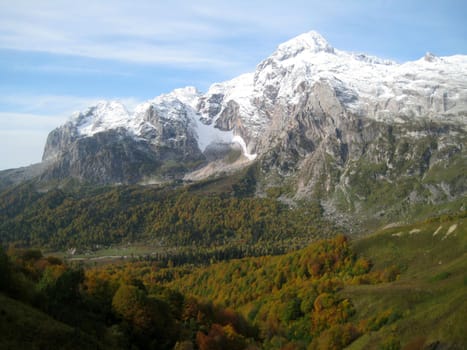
<point>58,219</point>
<point>222,268</point>
<point>132,304</point>
<point>334,293</point>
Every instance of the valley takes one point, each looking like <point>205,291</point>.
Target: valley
<point>317,202</point>
<point>401,287</point>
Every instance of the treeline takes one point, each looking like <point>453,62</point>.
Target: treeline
<point>203,255</point>
<point>59,219</point>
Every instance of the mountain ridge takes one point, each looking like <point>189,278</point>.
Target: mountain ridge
<point>307,59</point>
<point>328,125</point>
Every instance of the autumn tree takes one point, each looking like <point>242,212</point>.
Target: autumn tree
<point>150,319</point>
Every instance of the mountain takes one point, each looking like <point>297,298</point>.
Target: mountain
<point>359,133</point>
<point>108,144</point>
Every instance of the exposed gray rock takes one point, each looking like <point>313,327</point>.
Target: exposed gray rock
<point>360,134</point>
<point>119,154</point>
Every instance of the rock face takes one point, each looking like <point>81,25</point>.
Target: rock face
<point>306,74</point>
<point>106,144</point>
<point>358,133</point>
<point>350,130</point>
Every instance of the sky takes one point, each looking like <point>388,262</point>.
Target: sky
<point>58,56</point>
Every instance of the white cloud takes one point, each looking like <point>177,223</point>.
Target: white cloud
<point>146,32</point>
<point>14,122</point>
<point>55,105</point>
<point>23,136</point>
<point>181,33</point>
<point>198,33</point>
<point>69,69</point>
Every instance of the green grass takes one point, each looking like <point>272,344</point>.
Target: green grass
<point>431,293</point>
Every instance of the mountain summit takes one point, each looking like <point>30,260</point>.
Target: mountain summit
<point>311,42</point>
<point>334,126</point>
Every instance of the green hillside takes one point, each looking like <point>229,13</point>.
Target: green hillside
<point>404,287</point>
<point>415,295</point>
<point>25,327</point>
<point>213,212</point>
<point>432,289</point>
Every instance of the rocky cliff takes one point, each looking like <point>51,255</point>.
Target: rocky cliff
<point>107,144</point>
<point>355,132</point>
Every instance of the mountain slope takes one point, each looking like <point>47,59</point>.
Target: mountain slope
<point>306,74</point>
<point>329,125</point>
<point>346,128</point>
<point>107,144</point>
<point>404,288</point>
<point>24,327</point>
<point>431,289</point>
<point>306,90</point>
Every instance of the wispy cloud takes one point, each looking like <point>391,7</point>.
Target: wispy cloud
<point>45,104</point>
<point>145,32</point>
<point>204,33</point>
<point>13,122</point>
<point>22,137</point>
<point>21,147</point>
<point>68,69</point>
<point>194,34</point>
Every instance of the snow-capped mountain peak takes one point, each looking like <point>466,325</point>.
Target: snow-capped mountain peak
<point>430,57</point>
<point>304,77</point>
<point>188,95</point>
<point>364,85</point>
<point>103,116</point>
<point>310,42</point>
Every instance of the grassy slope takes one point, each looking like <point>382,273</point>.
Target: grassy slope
<point>431,292</point>
<point>23,327</point>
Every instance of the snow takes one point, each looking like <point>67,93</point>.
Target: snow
<point>208,134</point>
<point>451,229</point>
<point>373,81</point>
<point>437,230</point>
<point>308,42</point>
<point>105,115</point>
<point>188,95</point>
<point>431,87</point>
<point>238,139</point>
<point>239,89</point>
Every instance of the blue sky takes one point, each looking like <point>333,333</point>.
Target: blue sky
<point>59,56</point>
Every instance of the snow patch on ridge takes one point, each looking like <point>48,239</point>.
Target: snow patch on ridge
<point>239,90</point>
<point>208,134</point>
<point>238,139</point>
<point>105,115</point>
<point>188,95</point>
